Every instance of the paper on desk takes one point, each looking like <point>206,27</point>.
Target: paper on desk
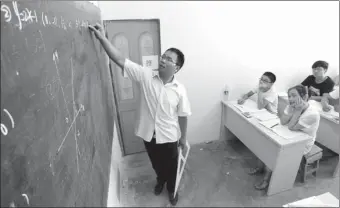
<point>310,202</point>
<point>264,115</point>
<point>247,107</point>
<point>270,123</point>
<point>284,132</point>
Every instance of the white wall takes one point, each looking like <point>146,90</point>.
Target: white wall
<point>234,43</point>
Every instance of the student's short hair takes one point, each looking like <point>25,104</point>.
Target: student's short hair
<point>180,56</point>
<point>301,89</point>
<point>271,76</point>
<point>322,64</point>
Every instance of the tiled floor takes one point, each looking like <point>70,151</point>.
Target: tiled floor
<point>216,175</point>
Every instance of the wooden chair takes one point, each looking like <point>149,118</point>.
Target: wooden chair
<point>310,163</point>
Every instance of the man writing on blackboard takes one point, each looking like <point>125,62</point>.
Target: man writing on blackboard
<point>163,111</point>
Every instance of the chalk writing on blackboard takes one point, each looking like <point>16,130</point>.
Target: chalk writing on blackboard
<point>4,129</point>
<point>26,16</point>
<point>74,119</point>
<point>56,60</point>
<point>7,11</point>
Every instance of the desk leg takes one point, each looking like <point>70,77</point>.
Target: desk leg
<point>286,168</point>
<point>225,133</point>
<point>336,171</point>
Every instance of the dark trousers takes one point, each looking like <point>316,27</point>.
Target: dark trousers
<point>163,158</point>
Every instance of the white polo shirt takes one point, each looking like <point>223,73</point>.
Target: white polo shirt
<point>160,104</point>
<point>310,120</point>
<point>271,96</point>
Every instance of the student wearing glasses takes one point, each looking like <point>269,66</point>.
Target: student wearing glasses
<point>267,96</point>
<point>163,111</point>
<point>318,83</point>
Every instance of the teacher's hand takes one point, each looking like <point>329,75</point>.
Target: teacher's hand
<point>97,29</point>
<point>182,143</point>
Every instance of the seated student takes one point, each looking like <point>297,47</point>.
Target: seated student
<point>267,96</point>
<point>332,98</point>
<point>318,83</point>
<point>299,115</point>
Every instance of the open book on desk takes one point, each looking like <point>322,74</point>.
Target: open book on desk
<point>248,108</point>
<point>283,131</point>
<point>264,115</point>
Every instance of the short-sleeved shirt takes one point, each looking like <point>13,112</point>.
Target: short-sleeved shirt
<point>335,93</point>
<point>271,96</point>
<point>317,89</point>
<point>310,120</point>
<point>161,104</point>
<point>334,101</point>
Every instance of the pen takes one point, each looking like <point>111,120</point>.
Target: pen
<point>274,125</point>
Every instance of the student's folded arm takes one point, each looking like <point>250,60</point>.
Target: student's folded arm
<point>307,122</point>
<point>286,116</point>
<point>294,120</point>
<point>269,105</point>
<point>248,95</point>
<point>324,99</point>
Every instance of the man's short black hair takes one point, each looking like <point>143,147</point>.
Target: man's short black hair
<point>180,56</point>
<point>271,76</point>
<point>322,64</point>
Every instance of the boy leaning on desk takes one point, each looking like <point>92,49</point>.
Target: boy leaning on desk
<point>267,96</point>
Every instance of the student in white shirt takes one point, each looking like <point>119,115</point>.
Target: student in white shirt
<point>163,111</point>
<point>332,98</point>
<point>267,96</point>
<point>299,115</point>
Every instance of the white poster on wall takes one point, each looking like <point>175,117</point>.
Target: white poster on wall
<point>150,61</point>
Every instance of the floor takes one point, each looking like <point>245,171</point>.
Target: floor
<point>216,175</point>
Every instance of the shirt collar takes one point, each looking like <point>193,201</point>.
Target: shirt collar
<point>173,82</point>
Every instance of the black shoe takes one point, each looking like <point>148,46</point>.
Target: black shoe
<point>158,188</point>
<point>173,199</point>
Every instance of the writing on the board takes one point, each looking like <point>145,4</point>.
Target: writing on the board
<point>4,129</point>
<point>7,12</point>
<point>27,16</point>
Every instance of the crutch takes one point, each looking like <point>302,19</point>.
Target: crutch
<point>179,169</point>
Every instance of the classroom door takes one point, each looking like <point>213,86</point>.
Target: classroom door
<point>135,39</point>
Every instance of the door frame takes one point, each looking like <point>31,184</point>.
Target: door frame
<point>115,86</point>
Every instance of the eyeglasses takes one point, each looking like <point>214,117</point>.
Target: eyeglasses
<point>318,69</point>
<point>167,59</point>
<point>265,81</point>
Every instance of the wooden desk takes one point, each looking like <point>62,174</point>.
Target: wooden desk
<point>280,155</point>
<point>328,132</point>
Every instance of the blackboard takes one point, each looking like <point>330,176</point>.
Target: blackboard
<point>56,105</point>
